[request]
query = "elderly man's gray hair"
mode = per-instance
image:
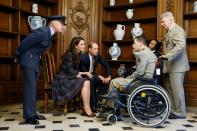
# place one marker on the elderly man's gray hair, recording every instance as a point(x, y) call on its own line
point(167, 14)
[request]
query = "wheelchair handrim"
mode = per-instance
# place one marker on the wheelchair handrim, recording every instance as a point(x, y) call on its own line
point(161, 92)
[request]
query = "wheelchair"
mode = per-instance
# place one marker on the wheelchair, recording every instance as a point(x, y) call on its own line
point(147, 103)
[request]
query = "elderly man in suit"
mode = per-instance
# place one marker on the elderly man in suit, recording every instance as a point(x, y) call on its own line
point(28, 56)
point(88, 63)
point(176, 65)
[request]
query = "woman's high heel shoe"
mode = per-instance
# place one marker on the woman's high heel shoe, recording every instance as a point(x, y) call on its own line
point(88, 115)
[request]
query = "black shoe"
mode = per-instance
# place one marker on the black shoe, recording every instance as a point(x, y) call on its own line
point(120, 119)
point(40, 117)
point(32, 121)
point(173, 116)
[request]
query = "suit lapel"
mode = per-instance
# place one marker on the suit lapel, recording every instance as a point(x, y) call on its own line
point(88, 60)
point(168, 32)
point(166, 38)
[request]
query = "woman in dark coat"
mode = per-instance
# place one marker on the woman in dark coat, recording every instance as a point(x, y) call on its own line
point(155, 46)
point(69, 81)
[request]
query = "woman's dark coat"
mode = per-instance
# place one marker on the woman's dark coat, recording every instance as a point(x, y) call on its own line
point(66, 84)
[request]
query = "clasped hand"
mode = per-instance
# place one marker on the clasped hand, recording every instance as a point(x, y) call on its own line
point(163, 57)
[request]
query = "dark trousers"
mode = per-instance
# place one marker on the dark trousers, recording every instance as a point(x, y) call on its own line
point(95, 82)
point(30, 78)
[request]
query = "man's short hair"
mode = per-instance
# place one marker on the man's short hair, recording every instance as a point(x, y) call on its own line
point(167, 14)
point(90, 45)
point(142, 39)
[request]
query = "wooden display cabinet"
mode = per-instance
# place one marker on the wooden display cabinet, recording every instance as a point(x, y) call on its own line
point(190, 25)
point(13, 28)
point(145, 13)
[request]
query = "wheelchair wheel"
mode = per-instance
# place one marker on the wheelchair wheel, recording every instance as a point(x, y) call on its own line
point(112, 119)
point(148, 105)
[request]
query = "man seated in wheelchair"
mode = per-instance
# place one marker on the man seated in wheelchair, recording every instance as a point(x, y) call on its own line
point(145, 68)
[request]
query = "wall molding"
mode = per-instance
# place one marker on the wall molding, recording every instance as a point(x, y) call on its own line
point(79, 17)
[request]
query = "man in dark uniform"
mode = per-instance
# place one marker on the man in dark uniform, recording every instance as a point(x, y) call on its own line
point(28, 56)
point(88, 63)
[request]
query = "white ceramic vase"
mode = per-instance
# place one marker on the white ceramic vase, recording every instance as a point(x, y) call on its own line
point(195, 6)
point(130, 1)
point(114, 51)
point(119, 32)
point(36, 22)
point(136, 30)
point(121, 69)
point(35, 8)
point(129, 13)
point(112, 2)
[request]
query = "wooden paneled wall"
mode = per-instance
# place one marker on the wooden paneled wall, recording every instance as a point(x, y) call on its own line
point(82, 20)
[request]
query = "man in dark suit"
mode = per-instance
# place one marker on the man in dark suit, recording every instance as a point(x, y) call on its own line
point(28, 56)
point(88, 63)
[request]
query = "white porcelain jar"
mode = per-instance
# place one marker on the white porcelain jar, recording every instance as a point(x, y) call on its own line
point(130, 1)
point(121, 69)
point(129, 13)
point(136, 30)
point(35, 8)
point(112, 2)
point(119, 32)
point(195, 6)
point(114, 51)
point(36, 22)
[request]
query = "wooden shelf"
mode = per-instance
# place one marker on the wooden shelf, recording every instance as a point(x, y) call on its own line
point(14, 28)
point(126, 22)
point(28, 13)
point(191, 37)
point(128, 41)
point(8, 8)
point(133, 5)
point(117, 41)
point(190, 15)
point(121, 61)
point(113, 15)
point(23, 34)
point(193, 61)
point(6, 59)
point(46, 2)
point(8, 33)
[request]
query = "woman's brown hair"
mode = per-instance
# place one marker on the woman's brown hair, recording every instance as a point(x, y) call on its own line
point(74, 42)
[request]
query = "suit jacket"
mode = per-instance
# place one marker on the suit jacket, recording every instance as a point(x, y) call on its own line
point(32, 47)
point(175, 50)
point(85, 63)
